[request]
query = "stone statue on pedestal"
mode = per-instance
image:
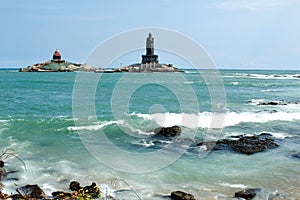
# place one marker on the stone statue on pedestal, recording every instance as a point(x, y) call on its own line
point(149, 57)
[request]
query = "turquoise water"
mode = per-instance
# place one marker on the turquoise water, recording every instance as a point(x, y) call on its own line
point(41, 122)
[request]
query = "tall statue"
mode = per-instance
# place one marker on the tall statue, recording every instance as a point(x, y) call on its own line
point(149, 57)
point(150, 45)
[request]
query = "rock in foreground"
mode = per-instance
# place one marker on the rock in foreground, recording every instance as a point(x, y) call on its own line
point(247, 194)
point(179, 195)
point(32, 191)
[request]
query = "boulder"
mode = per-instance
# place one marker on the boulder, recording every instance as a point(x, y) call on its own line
point(179, 195)
point(74, 186)
point(247, 194)
point(168, 131)
point(32, 191)
point(92, 190)
point(243, 144)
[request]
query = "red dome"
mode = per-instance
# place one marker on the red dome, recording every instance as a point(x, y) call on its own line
point(56, 55)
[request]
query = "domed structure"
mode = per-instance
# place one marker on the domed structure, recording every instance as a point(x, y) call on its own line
point(57, 57)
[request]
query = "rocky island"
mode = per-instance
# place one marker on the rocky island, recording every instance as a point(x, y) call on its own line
point(56, 64)
point(149, 64)
point(150, 61)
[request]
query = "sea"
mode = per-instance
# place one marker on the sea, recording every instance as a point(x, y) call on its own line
point(89, 127)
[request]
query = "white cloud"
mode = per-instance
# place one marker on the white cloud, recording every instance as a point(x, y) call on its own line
point(254, 5)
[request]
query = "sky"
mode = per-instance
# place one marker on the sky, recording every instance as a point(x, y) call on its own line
point(236, 34)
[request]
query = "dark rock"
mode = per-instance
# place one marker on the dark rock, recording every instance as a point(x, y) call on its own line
point(244, 144)
point(296, 155)
point(32, 191)
point(168, 131)
point(247, 194)
point(272, 103)
point(1, 163)
point(179, 195)
point(16, 197)
point(92, 190)
point(61, 195)
point(74, 186)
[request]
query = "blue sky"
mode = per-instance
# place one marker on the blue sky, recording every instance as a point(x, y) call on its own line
point(244, 34)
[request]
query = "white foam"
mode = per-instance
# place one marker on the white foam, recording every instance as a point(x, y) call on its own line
point(232, 185)
point(234, 83)
point(268, 76)
point(93, 127)
point(188, 82)
point(204, 119)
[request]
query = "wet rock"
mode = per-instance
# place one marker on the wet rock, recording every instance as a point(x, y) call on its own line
point(3, 196)
point(92, 190)
point(243, 144)
point(74, 186)
point(179, 195)
point(247, 194)
point(61, 195)
point(1, 163)
point(16, 197)
point(296, 155)
point(168, 131)
point(272, 103)
point(32, 191)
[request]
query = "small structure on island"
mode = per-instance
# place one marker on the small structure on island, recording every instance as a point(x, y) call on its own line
point(56, 64)
point(57, 57)
point(150, 61)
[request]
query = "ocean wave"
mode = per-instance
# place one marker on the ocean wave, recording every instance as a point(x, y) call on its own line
point(265, 102)
point(270, 90)
point(94, 127)
point(232, 185)
point(268, 76)
point(234, 83)
point(144, 124)
point(204, 119)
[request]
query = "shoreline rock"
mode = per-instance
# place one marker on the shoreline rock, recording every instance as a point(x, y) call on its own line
point(172, 131)
point(247, 194)
point(243, 144)
point(179, 195)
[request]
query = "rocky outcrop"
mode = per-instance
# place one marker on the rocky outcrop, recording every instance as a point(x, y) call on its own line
point(168, 131)
point(272, 103)
point(54, 66)
point(61, 195)
point(179, 195)
point(31, 192)
point(91, 192)
point(247, 194)
point(243, 144)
